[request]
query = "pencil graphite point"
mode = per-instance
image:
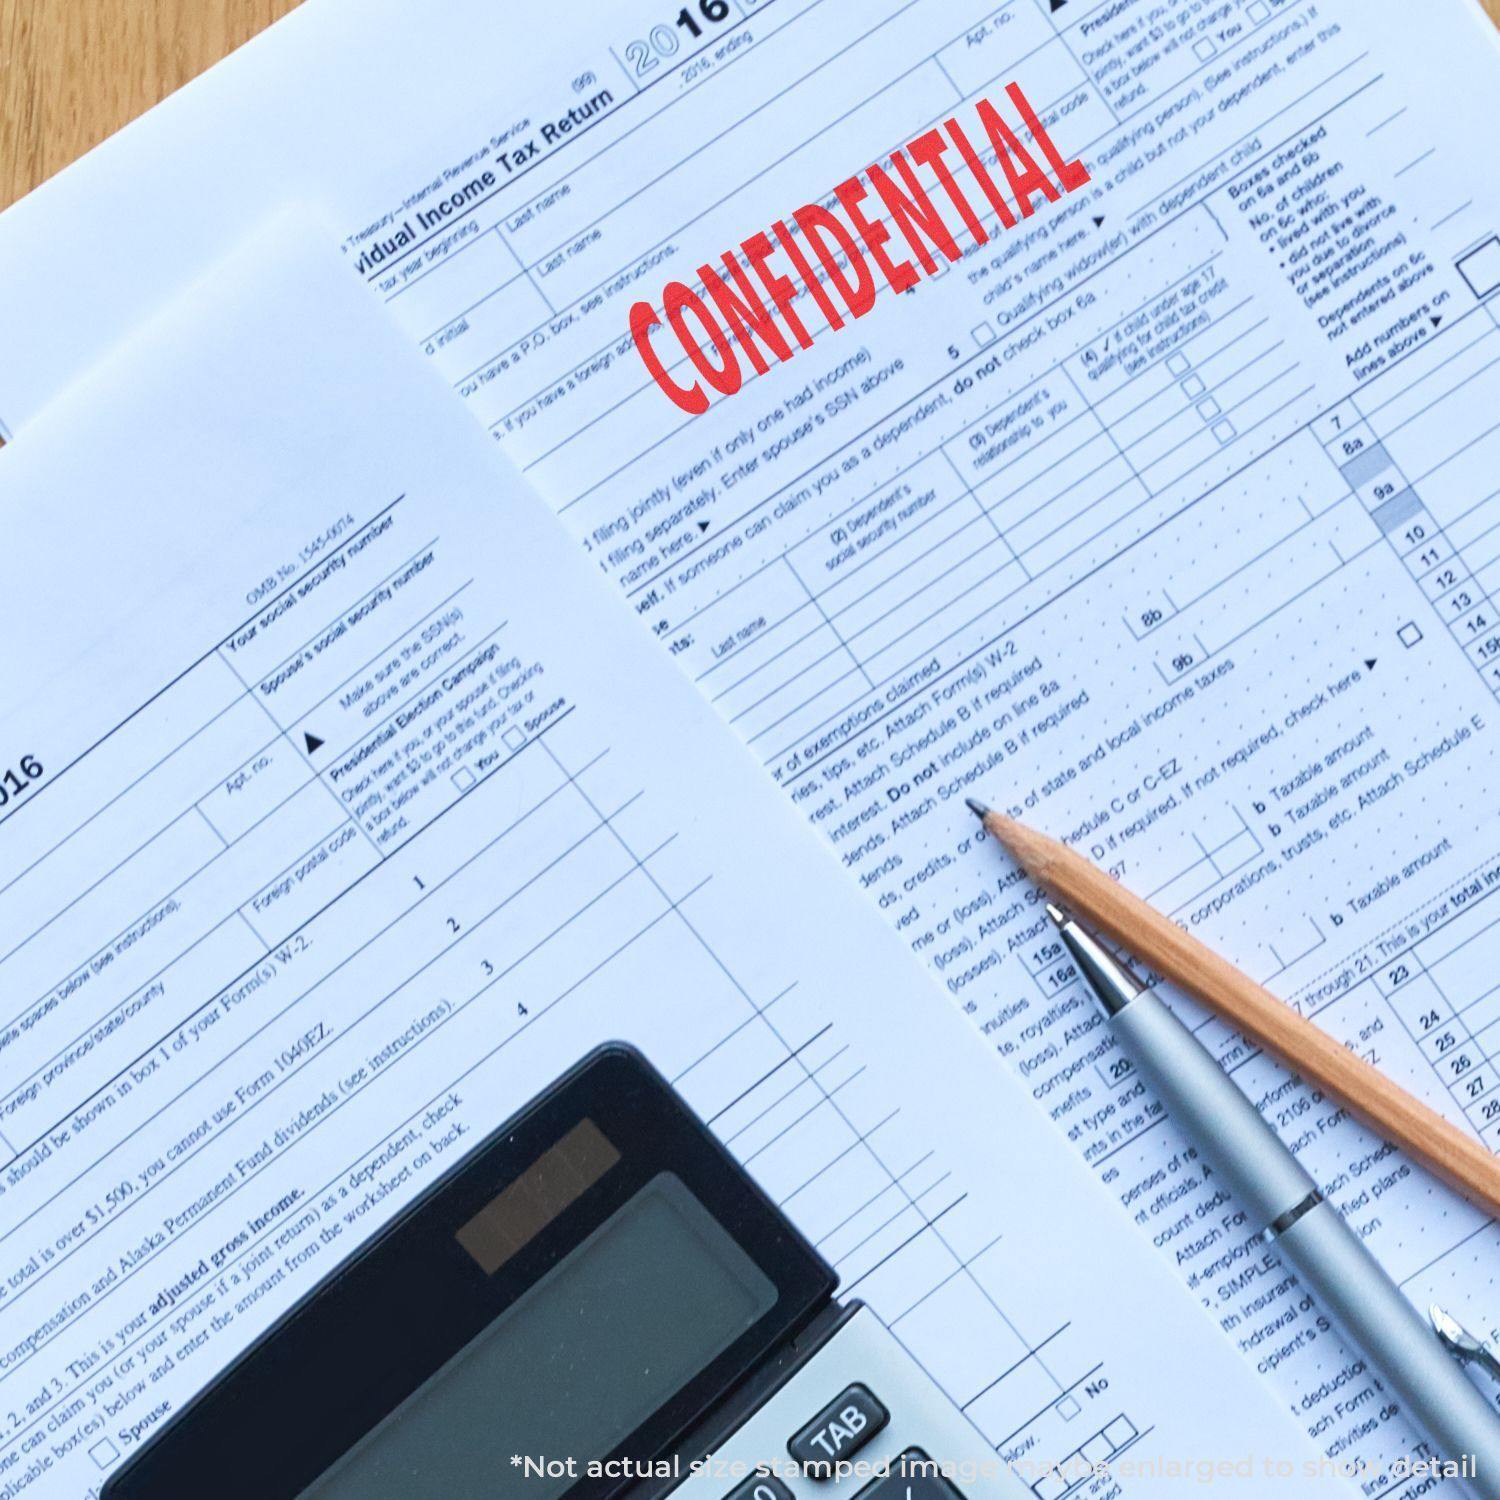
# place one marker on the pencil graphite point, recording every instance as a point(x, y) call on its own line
point(978, 808)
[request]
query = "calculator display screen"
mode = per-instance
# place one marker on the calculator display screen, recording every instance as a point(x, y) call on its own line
point(625, 1319)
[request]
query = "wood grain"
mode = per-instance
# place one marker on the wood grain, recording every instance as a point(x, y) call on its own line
point(1107, 907)
point(75, 71)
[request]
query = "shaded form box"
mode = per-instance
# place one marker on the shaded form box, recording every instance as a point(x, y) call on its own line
point(1389, 514)
point(1365, 465)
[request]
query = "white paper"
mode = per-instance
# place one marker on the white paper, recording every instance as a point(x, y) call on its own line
point(358, 817)
point(1216, 493)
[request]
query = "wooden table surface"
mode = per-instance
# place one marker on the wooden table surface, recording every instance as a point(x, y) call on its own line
point(73, 71)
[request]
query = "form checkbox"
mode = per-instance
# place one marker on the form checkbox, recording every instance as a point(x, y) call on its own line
point(1209, 409)
point(514, 737)
point(1068, 1408)
point(463, 778)
point(983, 335)
point(1409, 634)
point(1120, 1431)
point(1204, 48)
point(104, 1453)
point(1481, 268)
point(1178, 364)
point(1224, 431)
point(1193, 385)
point(1257, 11)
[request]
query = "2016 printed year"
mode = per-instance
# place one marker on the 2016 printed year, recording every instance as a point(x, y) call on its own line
point(663, 41)
point(19, 779)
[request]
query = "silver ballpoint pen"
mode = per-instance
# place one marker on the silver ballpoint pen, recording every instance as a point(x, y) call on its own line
point(1267, 1181)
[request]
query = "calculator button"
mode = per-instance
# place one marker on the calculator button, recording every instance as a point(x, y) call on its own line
point(760, 1487)
point(913, 1476)
point(845, 1425)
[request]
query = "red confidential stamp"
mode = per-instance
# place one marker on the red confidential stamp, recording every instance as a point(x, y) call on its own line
point(748, 306)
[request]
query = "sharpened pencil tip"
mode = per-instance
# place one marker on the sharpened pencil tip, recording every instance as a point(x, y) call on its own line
point(976, 807)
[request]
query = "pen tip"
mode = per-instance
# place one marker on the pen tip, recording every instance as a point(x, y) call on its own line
point(1058, 915)
point(976, 807)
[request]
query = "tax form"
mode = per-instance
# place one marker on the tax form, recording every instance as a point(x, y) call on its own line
point(1168, 519)
point(350, 816)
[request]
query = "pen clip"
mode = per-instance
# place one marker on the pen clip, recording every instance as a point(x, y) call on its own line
point(1462, 1344)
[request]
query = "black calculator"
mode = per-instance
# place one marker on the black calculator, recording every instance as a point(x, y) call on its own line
point(597, 1301)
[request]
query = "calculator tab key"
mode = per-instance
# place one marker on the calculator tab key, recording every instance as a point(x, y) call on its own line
point(913, 1476)
point(844, 1426)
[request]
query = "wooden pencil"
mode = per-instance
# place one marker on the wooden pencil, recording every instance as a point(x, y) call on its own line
point(1140, 930)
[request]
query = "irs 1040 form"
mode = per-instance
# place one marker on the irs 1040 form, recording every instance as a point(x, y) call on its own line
point(1167, 518)
point(357, 818)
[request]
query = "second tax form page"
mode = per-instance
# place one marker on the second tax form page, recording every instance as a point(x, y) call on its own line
point(1168, 518)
